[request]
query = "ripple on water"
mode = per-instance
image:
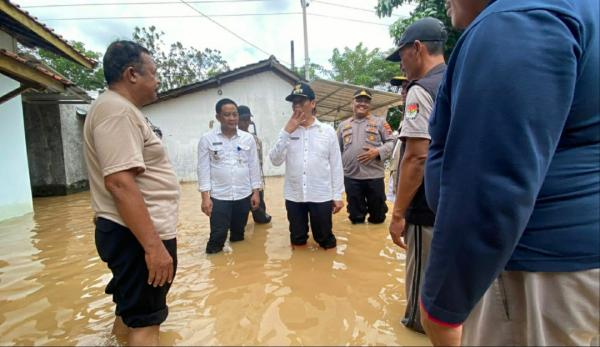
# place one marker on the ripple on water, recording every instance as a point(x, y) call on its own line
point(260, 292)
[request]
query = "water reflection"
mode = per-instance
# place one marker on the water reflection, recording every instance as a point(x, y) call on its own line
point(258, 292)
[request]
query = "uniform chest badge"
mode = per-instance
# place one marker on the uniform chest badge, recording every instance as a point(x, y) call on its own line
point(412, 110)
point(372, 138)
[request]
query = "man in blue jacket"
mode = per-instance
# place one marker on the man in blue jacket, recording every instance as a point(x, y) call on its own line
point(513, 177)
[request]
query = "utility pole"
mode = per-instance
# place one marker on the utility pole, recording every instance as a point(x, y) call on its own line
point(293, 55)
point(306, 61)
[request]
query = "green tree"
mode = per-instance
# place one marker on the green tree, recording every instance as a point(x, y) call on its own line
point(361, 67)
point(178, 65)
point(87, 79)
point(425, 8)
point(314, 70)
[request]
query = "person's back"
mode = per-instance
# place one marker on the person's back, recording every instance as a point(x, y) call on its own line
point(513, 175)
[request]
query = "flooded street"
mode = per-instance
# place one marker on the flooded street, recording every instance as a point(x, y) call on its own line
point(258, 292)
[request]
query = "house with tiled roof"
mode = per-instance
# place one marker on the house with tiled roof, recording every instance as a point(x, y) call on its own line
point(21, 74)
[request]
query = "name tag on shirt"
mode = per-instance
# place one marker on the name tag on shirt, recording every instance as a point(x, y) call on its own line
point(217, 143)
point(294, 138)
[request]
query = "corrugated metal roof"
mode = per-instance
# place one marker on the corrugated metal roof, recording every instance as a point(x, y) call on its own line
point(334, 100)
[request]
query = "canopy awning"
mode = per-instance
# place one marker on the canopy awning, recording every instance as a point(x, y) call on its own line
point(334, 100)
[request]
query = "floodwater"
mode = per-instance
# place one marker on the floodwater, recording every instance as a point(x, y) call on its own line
point(258, 292)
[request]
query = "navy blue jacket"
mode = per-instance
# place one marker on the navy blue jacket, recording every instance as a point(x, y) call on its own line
point(513, 172)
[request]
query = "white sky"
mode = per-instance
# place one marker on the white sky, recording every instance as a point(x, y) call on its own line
point(272, 33)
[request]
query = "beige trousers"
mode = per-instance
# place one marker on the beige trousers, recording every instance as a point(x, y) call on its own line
point(537, 309)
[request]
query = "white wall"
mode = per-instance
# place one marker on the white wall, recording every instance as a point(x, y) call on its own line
point(184, 119)
point(15, 189)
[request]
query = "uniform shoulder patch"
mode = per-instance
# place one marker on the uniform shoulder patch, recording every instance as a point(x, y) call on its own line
point(412, 110)
point(387, 127)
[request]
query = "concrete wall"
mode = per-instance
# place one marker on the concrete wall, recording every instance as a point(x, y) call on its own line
point(44, 149)
point(54, 147)
point(76, 177)
point(15, 190)
point(183, 120)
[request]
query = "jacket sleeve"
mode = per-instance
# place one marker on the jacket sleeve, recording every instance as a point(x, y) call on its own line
point(512, 85)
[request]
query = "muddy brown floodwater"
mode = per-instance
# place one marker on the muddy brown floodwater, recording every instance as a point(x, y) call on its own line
point(258, 292)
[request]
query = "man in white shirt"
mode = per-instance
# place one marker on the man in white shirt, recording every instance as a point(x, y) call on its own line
point(314, 177)
point(228, 177)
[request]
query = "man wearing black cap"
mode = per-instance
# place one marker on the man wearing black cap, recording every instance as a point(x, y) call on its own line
point(420, 53)
point(313, 170)
point(259, 215)
point(366, 142)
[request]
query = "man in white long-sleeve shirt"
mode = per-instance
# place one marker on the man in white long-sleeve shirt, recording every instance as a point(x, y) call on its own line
point(228, 177)
point(314, 177)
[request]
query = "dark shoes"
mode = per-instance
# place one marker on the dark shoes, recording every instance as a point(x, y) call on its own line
point(357, 221)
point(210, 250)
point(263, 220)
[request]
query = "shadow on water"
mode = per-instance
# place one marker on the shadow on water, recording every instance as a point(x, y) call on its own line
point(257, 292)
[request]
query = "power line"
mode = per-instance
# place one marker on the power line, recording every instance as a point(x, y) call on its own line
point(174, 16)
point(348, 7)
point(347, 19)
point(141, 3)
point(230, 31)
point(213, 15)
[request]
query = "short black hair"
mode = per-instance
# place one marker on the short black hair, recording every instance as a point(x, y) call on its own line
point(120, 55)
point(222, 102)
point(434, 47)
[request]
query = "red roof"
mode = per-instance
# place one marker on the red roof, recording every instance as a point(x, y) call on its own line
point(49, 31)
point(31, 62)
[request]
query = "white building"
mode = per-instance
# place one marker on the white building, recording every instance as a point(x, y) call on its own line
point(19, 74)
point(185, 113)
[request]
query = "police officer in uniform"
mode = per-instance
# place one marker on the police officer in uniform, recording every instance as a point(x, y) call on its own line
point(366, 141)
point(259, 215)
point(421, 53)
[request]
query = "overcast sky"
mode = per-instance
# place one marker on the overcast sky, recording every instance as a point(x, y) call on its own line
point(268, 24)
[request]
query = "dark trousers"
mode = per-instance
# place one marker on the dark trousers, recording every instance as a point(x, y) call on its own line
point(366, 196)
point(319, 214)
point(225, 216)
point(260, 215)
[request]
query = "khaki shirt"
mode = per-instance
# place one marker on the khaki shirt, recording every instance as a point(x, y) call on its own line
point(118, 138)
point(356, 134)
point(419, 105)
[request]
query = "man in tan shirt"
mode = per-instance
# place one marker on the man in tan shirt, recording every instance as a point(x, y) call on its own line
point(135, 194)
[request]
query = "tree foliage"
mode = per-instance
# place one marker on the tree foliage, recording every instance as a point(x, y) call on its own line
point(424, 8)
point(86, 79)
point(178, 65)
point(361, 67)
point(314, 70)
